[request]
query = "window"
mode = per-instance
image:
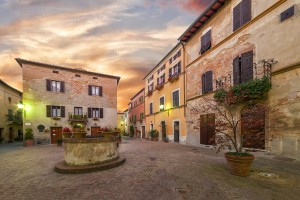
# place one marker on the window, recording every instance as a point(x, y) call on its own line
point(77, 75)
point(55, 72)
point(95, 112)
point(57, 86)
point(55, 111)
point(95, 77)
point(207, 82)
point(161, 79)
point(134, 118)
point(170, 61)
point(176, 69)
point(205, 42)
point(241, 14)
point(95, 90)
point(243, 68)
point(287, 13)
point(141, 116)
point(161, 103)
point(150, 78)
point(9, 100)
point(150, 87)
point(78, 111)
point(175, 98)
point(161, 69)
point(177, 55)
point(151, 108)
point(135, 104)
point(141, 99)
point(151, 126)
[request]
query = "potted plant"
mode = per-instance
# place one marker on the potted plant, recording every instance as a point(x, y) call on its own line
point(79, 131)
point(59, 142)
point(66, 132)
point(28, 138)
point(154, 135)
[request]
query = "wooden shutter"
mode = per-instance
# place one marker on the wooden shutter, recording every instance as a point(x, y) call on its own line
point(48, 85)
point(179, 67)
point(208, 81)
point(101, 112)
point(247, 66)
point(236, 17)
point(89, 112)
point(63, 111)
point(62, 86)
point(287, 13)
point(245, 11)
point(208, 40)
point(48, 108)
point(236, 71)
point(203, 83)
point(90, 90)
point(202, 44)
point(170, 72)
point(100, 91)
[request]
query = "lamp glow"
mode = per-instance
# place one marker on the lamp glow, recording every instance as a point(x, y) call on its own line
point(20, 106)
point(161, 107)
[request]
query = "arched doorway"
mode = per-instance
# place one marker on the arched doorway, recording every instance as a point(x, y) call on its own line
point(253, 126)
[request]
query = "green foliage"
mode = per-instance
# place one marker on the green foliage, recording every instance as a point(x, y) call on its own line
point(131, 131)
point(28, 134)
point(59, 140)
point(253, 90)
point(154, 133)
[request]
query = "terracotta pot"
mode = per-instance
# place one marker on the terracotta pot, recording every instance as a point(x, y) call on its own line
point(239, 165)
point(79, 135)
point(28, 143)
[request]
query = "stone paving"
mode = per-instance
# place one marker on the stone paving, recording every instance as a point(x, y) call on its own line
point(153, 170)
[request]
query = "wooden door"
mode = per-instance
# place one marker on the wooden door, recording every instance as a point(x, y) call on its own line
point(207, 129)
point(253, 127)
point(163, 129)
point(55, 134)
point(176, 131)
point(95, 130)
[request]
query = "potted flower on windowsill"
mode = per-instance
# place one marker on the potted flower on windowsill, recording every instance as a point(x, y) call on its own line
point(28, 138)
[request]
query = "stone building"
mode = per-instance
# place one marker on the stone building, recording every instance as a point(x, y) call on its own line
point(55, 97)
point(136, 114)
point(10, 114)
point(165, 97)
point(126, 121)
point(236, 37)
point(121, 122)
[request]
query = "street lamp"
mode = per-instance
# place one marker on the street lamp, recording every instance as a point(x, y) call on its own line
point(161, 107)
point(20, 105)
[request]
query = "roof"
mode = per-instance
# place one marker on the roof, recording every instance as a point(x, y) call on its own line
point(125, 110)
point(20, 93)
point(170, 52)
point(138, 93)
point(202, 19)
point(23, 61)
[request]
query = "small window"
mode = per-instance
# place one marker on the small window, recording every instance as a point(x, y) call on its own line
point(56, 86)
point(78, 111)
point(207, 82)
point(287, 13)
point(55, 72)
point(95, 112)
point(95, 77)
point(9, 100)
point(77, 75)
point(205, 42)
point(95, 90)
point(55, 111)
point(175, 98)
point(161, 103)
point(151, 108)
point(161, 79)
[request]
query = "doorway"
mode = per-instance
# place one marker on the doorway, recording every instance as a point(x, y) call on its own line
point(55, 134)
point(253, 126)
point(176, 131)
point(143, 132)
point(95, 130)
point(207, 129)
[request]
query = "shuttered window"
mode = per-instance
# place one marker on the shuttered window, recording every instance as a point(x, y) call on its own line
point(243, 68)
point(175, 98)
point(205, 42)
point(162, 103)
point(151, 108)
point(241, 14)
point(207, 129)
point(207, 82)
point(95, 90)
point(55, 111)
point(95, 112)
point(57, 86)
point(287, 13)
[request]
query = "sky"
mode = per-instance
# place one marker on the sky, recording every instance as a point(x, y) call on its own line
point(125, 38)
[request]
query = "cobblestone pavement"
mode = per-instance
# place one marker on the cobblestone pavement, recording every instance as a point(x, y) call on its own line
point(153, 170)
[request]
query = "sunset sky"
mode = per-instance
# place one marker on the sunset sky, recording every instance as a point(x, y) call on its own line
point(126, 38)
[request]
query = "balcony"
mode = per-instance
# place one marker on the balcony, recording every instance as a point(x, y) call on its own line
point(174, 77)
point(159, 86)
point(149, 93)
point(78, 118)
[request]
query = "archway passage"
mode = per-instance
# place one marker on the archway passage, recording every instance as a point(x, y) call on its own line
point(253, 126)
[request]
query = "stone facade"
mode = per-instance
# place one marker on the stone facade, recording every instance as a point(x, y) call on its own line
point(136, 114)
point(268, 37)
point(121, 122)
point(167, 98)
point(10, 128)
point(86, 97)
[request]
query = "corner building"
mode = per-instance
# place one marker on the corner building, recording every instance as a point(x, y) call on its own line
point(57, 97)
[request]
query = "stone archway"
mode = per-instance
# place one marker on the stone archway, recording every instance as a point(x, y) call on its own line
point(253, 126)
